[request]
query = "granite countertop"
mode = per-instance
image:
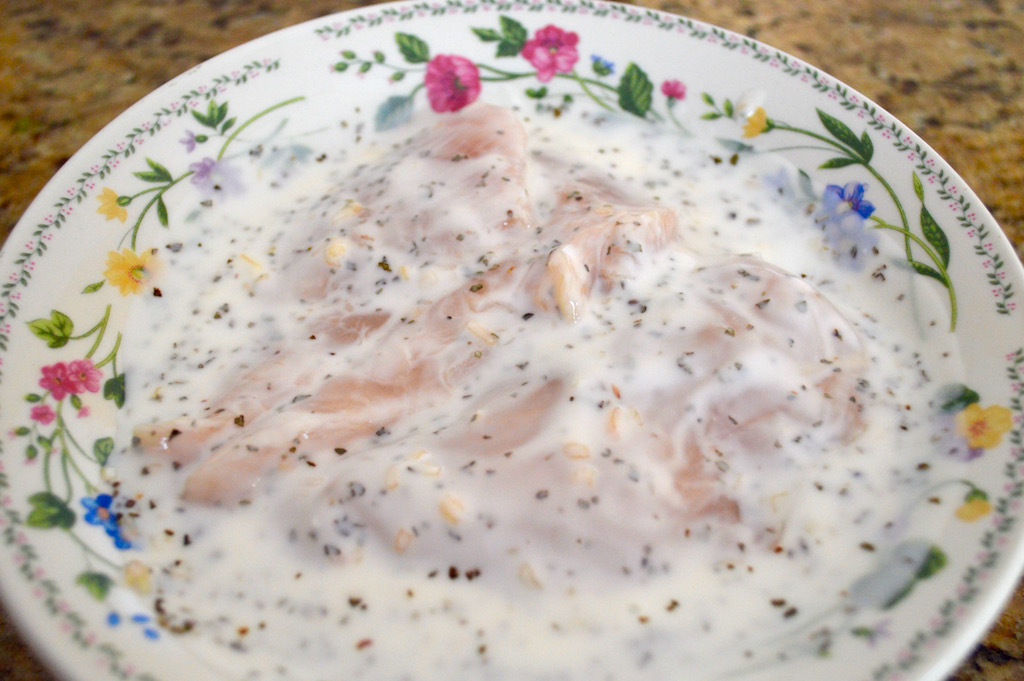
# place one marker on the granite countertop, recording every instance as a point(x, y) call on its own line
point(951, 70)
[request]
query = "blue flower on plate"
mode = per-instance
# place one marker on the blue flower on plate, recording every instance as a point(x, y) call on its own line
point(145, 622)
point(601, 66)
point(98, 512)
point(843, 216)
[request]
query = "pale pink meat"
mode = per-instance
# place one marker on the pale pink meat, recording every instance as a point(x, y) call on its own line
point(593, 240)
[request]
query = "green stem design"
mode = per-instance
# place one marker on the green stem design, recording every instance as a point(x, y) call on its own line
point(144, 191)
point(933, 256)
point(111, 357)
point(89, 487)
point(69, 489)
point(908, 237)
point(47, 481)
point(94, 553)
point(252, 120)
point(101, 327)
point(583, 85)
point(163, 189)
point(159, 195)
point(675, 121)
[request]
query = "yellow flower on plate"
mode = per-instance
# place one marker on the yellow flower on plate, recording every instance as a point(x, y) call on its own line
point(757, 123)
point(128, 270)
point(975, 507)
point(110, 207)
point(983, 428)
point(136, 576)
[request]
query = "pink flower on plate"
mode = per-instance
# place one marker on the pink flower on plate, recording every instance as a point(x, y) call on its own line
point(83, 376)
point(452, 83)
point(43, 414)
point(673, 89)
point(551, 51)
point(56, 380)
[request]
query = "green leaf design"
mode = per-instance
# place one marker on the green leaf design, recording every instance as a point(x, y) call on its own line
point(927, 271)
point(56, 330)
point(934, 235)
point(365, 66)
point(49, 511)
point(96, 583)
point(94, 287)
point(228, 124)
point(867, 147)
point(395, 111)
point(222, 113)
point(635, 90)
point(488, 35)
point(734, 146)
point(845, 136)
point(507, 49)
point(933, 563)
point(918, 187)
point(157, 173)
point(957, 397)
point(102, 449)
point(113, 390)
point(412, 48)
point(161, 211)
point(838, 162)
point(513, 37)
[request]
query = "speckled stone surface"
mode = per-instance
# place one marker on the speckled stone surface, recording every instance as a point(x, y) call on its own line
point(952, 71)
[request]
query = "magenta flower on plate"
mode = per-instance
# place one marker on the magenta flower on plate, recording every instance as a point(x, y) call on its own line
point(83, 377)
point(42, 414)
point(551, 51)
point(452, 83)
point(56, 380)
point(673, 89)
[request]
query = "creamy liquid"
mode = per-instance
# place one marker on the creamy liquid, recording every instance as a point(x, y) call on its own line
point(533, 509)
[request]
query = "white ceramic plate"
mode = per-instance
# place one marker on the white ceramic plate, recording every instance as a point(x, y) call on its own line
point(62, 298)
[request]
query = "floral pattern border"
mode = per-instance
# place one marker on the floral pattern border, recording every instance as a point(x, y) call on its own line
point(13, 526)
point(73, 196)
point(77, 627)
point(970, 220)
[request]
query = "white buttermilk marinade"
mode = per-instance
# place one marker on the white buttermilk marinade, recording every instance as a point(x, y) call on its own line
point(490, 400)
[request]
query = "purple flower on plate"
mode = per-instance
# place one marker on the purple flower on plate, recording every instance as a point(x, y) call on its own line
point(215, 176)
point(189, 140)
point(843, 216)
point(202, 171)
